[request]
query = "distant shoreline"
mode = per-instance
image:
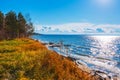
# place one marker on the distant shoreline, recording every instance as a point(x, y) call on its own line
point(80, 34)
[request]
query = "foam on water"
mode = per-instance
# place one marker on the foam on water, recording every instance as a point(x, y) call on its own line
point(106, 66)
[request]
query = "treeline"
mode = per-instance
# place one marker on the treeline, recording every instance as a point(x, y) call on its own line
point(14, 25)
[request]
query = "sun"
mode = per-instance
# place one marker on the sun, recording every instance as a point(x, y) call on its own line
point(104, 3)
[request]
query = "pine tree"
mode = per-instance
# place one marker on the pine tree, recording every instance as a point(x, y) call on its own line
point(11, 27)
point(14, 26)
point(21, 25)
point(1, 20)
point(1, 25)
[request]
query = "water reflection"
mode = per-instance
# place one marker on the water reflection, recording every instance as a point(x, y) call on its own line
point(106, 53)
point(105, 46)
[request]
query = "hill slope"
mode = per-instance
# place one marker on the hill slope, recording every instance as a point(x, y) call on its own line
point(26, 59)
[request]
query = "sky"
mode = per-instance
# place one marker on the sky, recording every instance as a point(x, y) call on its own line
point(69, 16)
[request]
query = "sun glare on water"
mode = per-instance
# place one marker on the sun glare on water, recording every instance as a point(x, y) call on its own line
point(106, 46)
point(105, 39)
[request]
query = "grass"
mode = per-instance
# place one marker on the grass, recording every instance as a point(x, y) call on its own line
point(27, 59)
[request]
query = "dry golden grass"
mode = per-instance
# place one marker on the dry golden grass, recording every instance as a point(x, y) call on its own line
point(27, 59)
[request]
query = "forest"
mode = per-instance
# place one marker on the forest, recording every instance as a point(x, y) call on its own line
point(14, 25)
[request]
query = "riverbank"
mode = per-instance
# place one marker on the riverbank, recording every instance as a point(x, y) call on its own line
point(29, 59)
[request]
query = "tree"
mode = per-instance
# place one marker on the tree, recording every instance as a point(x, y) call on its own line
point(29, 26)
point(1, 25)
point(1, 20)
point(21, 25)
point(29, 29)
point(15, 26)
point(25, 25)
point(11, 27)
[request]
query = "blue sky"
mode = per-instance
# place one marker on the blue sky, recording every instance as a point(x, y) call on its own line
point(60, 12)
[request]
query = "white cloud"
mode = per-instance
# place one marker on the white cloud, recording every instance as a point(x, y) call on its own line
point(78, 28)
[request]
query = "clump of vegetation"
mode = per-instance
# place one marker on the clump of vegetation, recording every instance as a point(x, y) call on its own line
point(14, 25)
point(26, 59)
